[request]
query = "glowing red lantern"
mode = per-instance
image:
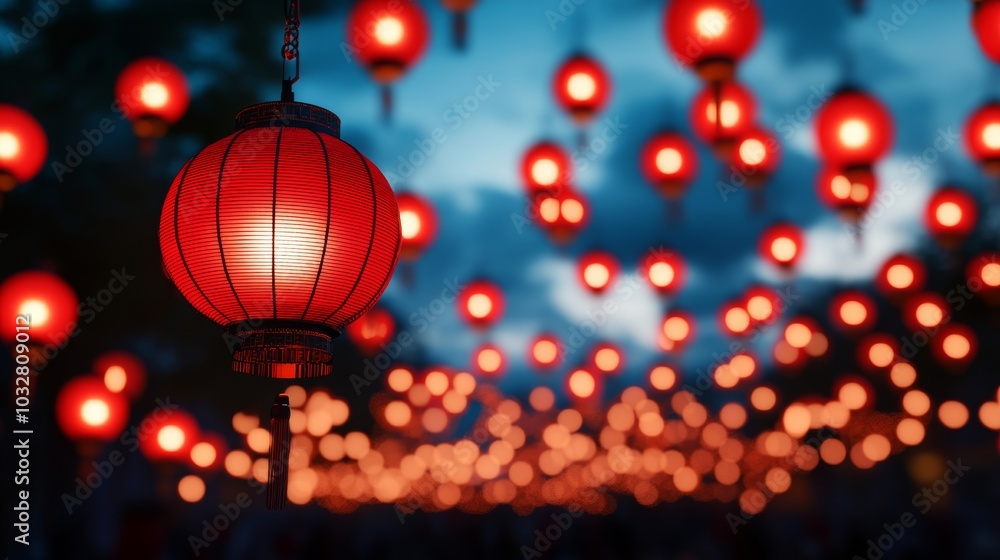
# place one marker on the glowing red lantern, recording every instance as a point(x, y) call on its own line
point(86, 410)
point(489, 360)
point(853, 129)
point(372, 330)
point(153, 94)
point(670, 163)
point(607, 358)
point(925, 311)
point(23, 147)
point(955, 345)
point(282, 233)
point(582, 88)
point(387, 36)
point(950, 216)
point(983, 273)
point(460, 22)
point(982, 136)
point(597, 270)
point(711, 35)
point(763, 304)
point(545, 352)
point(853, 311)
point(480, 303)
point(171, 436)
point(734, 318)
point(849, 192)
point(900, 275)
point(721, 115)
point(563, 214)
point(545, 166)
point(418, 225)
point(47, 299)
point(122, 373)
point(757, 155)
point(985, 22)
point(782, 244)
point(677, 329)
point(665, 271)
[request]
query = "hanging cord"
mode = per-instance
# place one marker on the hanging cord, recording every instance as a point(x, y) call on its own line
point(290, 49)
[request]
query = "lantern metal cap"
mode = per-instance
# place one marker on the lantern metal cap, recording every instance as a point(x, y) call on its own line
point(289, 113)
point(283, 349)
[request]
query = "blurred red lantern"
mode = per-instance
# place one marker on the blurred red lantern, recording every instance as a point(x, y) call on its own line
point(301, 240)
point(877, 352)
point(983, 276)
point(763, 304)
point(122, 373)
point(900, 275)
point(955, 345)
point(418, 225)
point(582, 88)
point(711, 35)
point(47, 299)
point(721, 115)
point(782, 244)
point(734, 318)
point(985, 23)
point(853, 311)
point(677, 329)
point(853, 129)
point(925, 311)
point(670, 163)
point(757, 154)
point(982, 136)
point(665, 271)
point(545, 166)
point(545, 352)
point(387, 36)
point(481, 303)
point(372, 330)
point(86, 410)
point(950, 216)
point(23, 147)
point(489, 360)
point(460, 22)
point(597, 270)
point(209, 453)
point(169, 437)
point(849, 191)
point(153, 94)
point(607, 358)
point(563, 214)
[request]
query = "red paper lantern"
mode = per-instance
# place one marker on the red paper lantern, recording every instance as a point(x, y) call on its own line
point(460, 25)
point(545, 166)
point(982, 136)
point(665, 271)
point(670, 163)
point(23, 147)
point(597, 270)
point(122, 373)
point(480, 303)
point(418, 225)
point(757, 154)
point(849, 192)
point(986, 24)
point(955, 345)
point(489, 360)
point(925, 311)
point(677, 329)
point(853, 311)
point(86, 410)
point(372, 330)
point(170, 437)
point(853, 129)
point(951, 216)
point(582, 88)
point(49, 301)
point(387, 36)
point(782, 244)
point(545, 352)
point(711, 35)
point(901, 275)
point(721, 115)
point(734, 319)
point(282, 233)
point(983, 273)
point(153, 94)
point(563, 214)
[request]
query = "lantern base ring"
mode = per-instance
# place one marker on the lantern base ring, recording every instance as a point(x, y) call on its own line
point(282, 349)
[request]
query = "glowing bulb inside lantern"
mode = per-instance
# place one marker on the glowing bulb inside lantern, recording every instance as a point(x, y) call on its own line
point(544, 171)
point(752, 151)
point(489, 360)
point(10, 146)
point(899, 276)
point(409, 223)
point(798, 335)
point(115, 379)
point(582, 383)
point(572, 211)
point(860, 192)
point(991, 136)
point(948, 214)
point(737, 319)
point(549, 210)
point(711, 23)
point(730, 113)
point(854, 133)
point(479, 305)
point(154, 95)
point(661, 274)
point(759, 308)
point(956, 346)
point(840, 187)
point(170, 438)
point(668, 161)
point(929, 314)
point(581, 86)
point(596, 275)
point(783, 249)
point(676, 329)
point(37, 309)
point(607, 359)
point(853, 313)
point(203, 454)
point(389, 31)
point(94, 412)
point(545, 351)
point(991, 274)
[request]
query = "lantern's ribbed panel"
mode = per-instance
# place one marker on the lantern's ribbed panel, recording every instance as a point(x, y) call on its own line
point(280, 223)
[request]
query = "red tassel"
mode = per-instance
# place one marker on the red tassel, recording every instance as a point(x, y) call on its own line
point(281, 440)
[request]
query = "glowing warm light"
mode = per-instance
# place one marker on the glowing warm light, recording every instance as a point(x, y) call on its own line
point(397, 413)
point(929, 314)
point(596, 275)
point(607, 359)
point(203, 454)
point(582, 383)
point(881, 354)
point(876, 447)
point(94, 412)
point(676, 328)
point(760, 308)
point(916, 403)
point(409, 224)
point(662, 377)
point(956, 346)
point(669, 161)
point(948, 214)
point(238, 464)
point(436, 382)
point(796, 420)
point(990, 274)
point(910, 431)
point(154, 95)
point(489, 360)
point(737, 319)
point(763, 398)
point(115, 379)
point(37, 309)
point(853, 396)
point(661, 274)
point(10, 146)
point(833, 451)
point(572, 211)
point(903, 375)
point(711, 23)
point(798, 335)
point(854, 133)
point(480, 305)
point(388, 31)
point(400, 380)
point(170, 438)
point(953, 414)
point(545, 171)
point(729, 113)
point(191, 488)
point(853, 312)
point(991, 136)
point(784, 249)
point(900, 276)
point(752, 151)
point(581, 86)
point(545, 351)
